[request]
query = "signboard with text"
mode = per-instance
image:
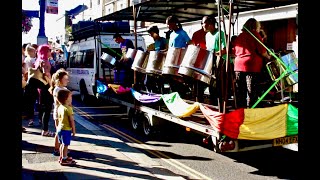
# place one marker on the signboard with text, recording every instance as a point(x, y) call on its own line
point(52, 6)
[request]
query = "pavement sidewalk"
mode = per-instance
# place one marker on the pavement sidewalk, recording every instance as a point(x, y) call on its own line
point(99, 155)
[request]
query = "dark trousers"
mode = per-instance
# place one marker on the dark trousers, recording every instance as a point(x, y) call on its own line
point(179, 84)
point(247, 90)
point(154, 83)
point(45, 101)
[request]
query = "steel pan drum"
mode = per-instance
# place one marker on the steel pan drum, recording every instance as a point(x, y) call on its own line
point(275, 69)
point(155, 62)
point(197, 63)
point(140, 61)
point(291, 63)
point(108, 58)
point(173, 60)
point(131, 53)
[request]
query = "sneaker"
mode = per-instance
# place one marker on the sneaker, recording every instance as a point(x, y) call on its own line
point(56, 153)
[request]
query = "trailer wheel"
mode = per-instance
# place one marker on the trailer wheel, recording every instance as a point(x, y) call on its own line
point(146, 125)
point(215, 144)
point(134, 117)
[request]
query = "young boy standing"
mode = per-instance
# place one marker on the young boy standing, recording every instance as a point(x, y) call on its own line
point(66, 125)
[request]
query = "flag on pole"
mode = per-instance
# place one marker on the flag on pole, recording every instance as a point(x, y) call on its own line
point(52, 6)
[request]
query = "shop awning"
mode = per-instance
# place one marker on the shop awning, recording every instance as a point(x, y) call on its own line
point(188, 10)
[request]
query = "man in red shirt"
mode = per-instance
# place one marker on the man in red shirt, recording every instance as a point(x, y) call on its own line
point(199, 38)
point(249, 56)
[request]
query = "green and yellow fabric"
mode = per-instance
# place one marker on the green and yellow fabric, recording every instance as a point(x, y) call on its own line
point(177, 106)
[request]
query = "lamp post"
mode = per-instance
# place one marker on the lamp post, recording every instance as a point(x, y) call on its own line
point(42, 38)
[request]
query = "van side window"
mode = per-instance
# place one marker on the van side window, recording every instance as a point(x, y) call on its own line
point(88, 58)
point(82, 59)
point(72, 59)
point(78, 60)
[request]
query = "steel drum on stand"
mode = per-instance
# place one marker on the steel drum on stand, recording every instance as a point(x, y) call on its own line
point(173, 60)
point(108, 59)
point(155, 62)
point(131, 53)
point(140, 61)
point(197, 63)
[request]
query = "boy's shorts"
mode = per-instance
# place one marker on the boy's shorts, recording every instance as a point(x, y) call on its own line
point(64, 137)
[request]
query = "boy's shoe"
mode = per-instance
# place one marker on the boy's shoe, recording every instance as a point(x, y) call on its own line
point(68, 158)
point(56, 153)
point(67, 162)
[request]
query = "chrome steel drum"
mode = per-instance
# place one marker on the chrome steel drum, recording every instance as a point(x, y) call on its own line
point(140, 61)
point(291, 64)
point(197, 63)
point(108, 58)
point(173, 60)
point(155, 62)
point(131, 53)
point(275, 69)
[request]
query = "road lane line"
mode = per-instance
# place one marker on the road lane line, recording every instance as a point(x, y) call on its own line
point(158, 154)
point(82, 112)
point(154, 152)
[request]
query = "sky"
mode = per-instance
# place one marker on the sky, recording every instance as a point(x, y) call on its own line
point(53, 26)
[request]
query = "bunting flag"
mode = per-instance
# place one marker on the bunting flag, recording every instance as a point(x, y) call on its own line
point(255, 124)
point(178, 106)
point(243, 123)
point(228, 124)
point(101, 88)
point(118, 89)
point(145, 98)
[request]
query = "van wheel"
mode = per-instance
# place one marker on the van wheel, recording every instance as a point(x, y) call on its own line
point(83, 92)
point(134, 117)
point(146, 125)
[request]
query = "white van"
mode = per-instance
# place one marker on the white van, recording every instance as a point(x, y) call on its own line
point(84, 63)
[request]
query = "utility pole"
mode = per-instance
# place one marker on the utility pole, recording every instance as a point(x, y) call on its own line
point(42, 38)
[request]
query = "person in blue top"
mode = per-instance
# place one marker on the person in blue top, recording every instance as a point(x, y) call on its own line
point(178, 39)
point(155, 83)
point(124, 63)
point(160, 43)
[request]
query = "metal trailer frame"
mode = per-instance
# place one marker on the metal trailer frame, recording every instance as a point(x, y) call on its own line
point(206, 130)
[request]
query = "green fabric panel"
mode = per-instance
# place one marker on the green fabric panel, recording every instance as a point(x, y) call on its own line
point(292, 120)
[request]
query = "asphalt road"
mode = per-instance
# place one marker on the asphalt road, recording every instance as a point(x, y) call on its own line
point(184, 152)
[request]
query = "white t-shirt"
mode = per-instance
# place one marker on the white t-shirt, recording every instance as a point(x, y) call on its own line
point(55, 101)
point(29, 61)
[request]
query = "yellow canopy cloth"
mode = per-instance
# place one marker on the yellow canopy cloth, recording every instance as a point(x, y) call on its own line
point(264, 123)
point(178, 106)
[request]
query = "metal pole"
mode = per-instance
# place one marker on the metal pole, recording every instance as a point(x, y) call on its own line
point(42, 39)
point(135, 37)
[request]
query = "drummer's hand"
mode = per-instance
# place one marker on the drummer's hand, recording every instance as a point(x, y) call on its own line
point(123, 59)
